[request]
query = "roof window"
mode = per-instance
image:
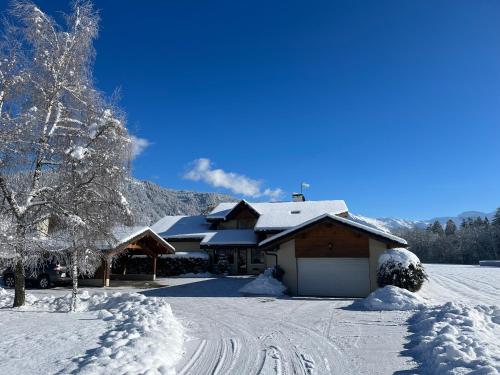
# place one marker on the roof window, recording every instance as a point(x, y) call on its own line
point(295, 212)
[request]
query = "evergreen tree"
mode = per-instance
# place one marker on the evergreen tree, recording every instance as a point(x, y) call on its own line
point(450, 228)
point(478, 223)
point(486, 222)
point(496, 219)
point(437, 228)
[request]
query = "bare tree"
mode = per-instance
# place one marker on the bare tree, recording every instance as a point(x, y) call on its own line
point(50, 116)
point(90, 203)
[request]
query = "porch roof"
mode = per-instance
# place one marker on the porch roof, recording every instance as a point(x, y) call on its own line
point(126, 236)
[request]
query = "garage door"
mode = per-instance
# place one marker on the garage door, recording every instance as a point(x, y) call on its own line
point(337, 277)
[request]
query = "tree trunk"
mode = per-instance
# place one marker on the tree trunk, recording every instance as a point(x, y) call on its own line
point(20, 287)
point(74, 274)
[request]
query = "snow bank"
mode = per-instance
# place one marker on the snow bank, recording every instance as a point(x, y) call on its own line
point(393, 298)
point(457, 339)
point(264, 284)
point(398, 255)
point(145, 335)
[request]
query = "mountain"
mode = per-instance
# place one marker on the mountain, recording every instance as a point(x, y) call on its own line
point(149, 202)
point(388, 224)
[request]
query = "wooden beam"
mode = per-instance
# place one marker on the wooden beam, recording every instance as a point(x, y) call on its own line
point(106, 273)
point(134, 246)
point(154, 267)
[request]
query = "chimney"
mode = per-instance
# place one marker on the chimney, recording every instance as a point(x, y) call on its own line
point(298, 197)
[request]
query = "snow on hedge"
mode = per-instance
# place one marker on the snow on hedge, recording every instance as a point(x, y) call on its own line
point(393, 298)
point(398, 255)
point(457, 339)
point(188, 254)
point(144, 334)
point(264, 284)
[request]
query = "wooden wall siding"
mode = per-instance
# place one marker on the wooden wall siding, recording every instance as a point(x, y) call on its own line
point(244, 214)
point(244, 219)
point(314, 243)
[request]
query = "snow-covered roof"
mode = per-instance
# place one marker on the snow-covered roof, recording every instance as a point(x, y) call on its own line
point(222, 209)
point(282, 215)
point(124, 234)
point(339, 219)
point(195, 227)
point(231, 237)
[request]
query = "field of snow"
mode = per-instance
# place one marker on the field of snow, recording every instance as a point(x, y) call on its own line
point(455, 330)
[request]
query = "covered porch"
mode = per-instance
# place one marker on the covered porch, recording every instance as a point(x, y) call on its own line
point(135, 258)
point(234, 251)
point(236, 260)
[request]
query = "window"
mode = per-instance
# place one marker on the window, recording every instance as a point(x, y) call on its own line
point(295, 212)
point(245, 223)
point(257, 256)
point(224, 254)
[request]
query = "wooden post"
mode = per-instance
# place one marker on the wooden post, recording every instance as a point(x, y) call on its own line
point(154, 266)
point(107, 271)
point(103, 265)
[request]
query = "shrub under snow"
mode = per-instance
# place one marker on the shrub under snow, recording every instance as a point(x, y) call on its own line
point(401, 268)
point(393, 298)
point(264, 284)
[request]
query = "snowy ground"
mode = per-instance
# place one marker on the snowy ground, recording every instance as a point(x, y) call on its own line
point(228, 333)
point(122, 333)
point(39, 342)
point(472, 285)
point(251, 335)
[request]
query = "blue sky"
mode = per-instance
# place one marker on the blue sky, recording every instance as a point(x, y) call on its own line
point(393, 106)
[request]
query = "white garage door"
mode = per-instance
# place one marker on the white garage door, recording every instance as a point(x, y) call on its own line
point(336, 277)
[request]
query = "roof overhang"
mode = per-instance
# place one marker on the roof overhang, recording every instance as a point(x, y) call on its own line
point(184, 238)
point(163, 245)
point(274, 241)
point(241, 205)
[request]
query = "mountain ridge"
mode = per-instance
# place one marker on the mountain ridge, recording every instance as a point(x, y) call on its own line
point(389, 224)
point(149, 202)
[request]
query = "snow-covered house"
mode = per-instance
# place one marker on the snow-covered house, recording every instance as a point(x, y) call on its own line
point(322, 252)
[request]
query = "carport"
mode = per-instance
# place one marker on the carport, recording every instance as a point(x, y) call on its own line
point(133, 258)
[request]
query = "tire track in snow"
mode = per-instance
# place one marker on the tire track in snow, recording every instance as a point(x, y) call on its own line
point(197, 354)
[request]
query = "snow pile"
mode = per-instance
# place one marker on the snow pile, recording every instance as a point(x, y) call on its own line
point(144, 335)
point(7, 299)
point(457, 339)
point(264, 284)
point(399, 256)
point(393, 298)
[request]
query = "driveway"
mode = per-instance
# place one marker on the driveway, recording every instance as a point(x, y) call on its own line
point(232, 334)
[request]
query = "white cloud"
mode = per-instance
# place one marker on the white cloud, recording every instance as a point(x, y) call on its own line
point(138, 145)
point(202, 170)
